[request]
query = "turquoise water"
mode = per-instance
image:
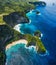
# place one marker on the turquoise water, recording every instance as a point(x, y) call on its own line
point(46, 23)
point(21, 55)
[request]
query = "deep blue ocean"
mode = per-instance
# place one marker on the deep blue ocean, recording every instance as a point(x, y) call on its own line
point(46, 23)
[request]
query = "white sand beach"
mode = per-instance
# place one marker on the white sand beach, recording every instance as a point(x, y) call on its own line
point(21, 41)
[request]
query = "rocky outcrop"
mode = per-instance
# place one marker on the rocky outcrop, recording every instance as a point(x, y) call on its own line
point(15, 18)
point(37, 33)
point(39, 3)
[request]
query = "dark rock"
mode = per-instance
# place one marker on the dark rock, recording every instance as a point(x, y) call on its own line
point(37, 33)
point(32, 43)
point(15, 18)
point(37, 12)
point(39, 3)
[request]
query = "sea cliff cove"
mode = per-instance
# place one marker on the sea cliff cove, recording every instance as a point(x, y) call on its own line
point(28, 32)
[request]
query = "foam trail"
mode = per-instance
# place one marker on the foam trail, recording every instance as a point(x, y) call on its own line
point(17, 27)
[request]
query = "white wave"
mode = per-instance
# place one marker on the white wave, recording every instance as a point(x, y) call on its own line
point(39, 14)
point(31, 47)
point(41, 36)
point(29, 21)
point(45, 54)
point(31, 11)
point(17, 27)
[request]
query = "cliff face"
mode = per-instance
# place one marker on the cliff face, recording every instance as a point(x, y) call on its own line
point(9, 6)
point(15, 18)
point(5, 34)
point(39, 3)
point(19, 9)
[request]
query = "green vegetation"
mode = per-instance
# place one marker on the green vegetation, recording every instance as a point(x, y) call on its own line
point(31, 39)
point(40, 46)
point(1, 18)
point(2, 57)
point(9, 6)
point(8, 34)
point(15, 6)
point(34, 40)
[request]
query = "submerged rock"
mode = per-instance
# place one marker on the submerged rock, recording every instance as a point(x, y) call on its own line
point(37, 12)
